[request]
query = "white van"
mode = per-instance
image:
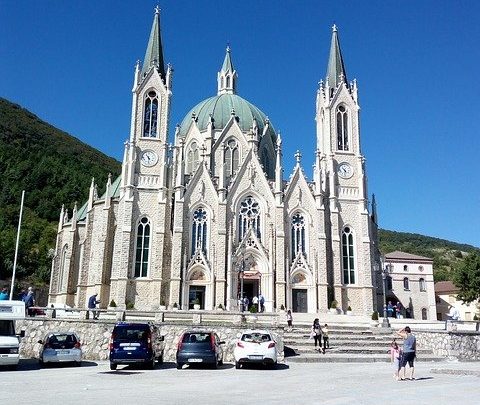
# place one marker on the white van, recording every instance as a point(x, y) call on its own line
point(9, 340)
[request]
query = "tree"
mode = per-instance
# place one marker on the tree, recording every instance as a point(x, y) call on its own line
point(467, 277)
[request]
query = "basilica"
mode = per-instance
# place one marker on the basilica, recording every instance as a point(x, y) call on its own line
point(212, 217)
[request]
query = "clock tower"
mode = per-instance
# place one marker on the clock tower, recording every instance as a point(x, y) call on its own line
point(343, 181)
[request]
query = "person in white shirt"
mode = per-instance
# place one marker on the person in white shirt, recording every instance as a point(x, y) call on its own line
point(255, 302)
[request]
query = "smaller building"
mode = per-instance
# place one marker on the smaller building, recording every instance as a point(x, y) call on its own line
point(410, 282)
point(446, 295)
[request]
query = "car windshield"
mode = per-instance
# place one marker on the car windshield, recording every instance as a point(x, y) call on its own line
point(131, 333)
point(196, 337)
point(62, 341)
point(256, 337)
point(6, 328)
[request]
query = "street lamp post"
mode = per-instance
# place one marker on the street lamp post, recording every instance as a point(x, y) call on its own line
point(384, 271)
point(240, 262)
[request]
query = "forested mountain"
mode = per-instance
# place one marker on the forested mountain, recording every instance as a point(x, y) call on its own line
point(55, 168)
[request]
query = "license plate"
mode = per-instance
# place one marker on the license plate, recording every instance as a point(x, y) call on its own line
point(195, 360)
point(255, 357)
point(63, 351)
point(129, 348)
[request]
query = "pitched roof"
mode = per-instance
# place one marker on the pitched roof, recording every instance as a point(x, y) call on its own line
point(445, 287)
point(154, 52)
point(335, 68)
point(398, 255)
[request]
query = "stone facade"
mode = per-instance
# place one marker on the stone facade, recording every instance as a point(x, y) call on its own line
point(212, 215)
point(464, 346)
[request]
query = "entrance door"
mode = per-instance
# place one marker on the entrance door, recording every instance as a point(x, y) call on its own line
point(299, 300)
point(196, 292)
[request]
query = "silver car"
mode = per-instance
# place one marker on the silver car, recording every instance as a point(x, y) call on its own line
point(60, 347)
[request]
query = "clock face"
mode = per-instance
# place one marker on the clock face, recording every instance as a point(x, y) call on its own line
point(345, 171)
point(149, 158)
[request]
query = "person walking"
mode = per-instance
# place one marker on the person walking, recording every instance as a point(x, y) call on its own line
point(261, 301)
point(289, 320)
point(390, 309)
point(317, 335)
point(255, 303)
point(92, 304)
point(246, 303)
point(395, 358)
point(409, 352)
point(326, 342)
point(4, 294)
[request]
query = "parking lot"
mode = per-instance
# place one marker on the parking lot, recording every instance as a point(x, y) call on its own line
point(334, 383)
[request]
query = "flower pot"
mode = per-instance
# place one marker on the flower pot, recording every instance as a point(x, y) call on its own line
point(196, 306)
point(333, 311)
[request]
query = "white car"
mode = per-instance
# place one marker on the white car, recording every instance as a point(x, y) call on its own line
point(255, 346)
point(60, 347)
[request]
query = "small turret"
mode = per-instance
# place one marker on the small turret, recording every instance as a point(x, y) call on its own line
point(227, 77)
point(108, 197)
point(91, 194)
point(154, 52)
point(60, 220)
point(278, 172)
point(336, 70)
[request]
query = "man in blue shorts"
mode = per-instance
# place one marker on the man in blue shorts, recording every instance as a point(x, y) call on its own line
point(409, 352)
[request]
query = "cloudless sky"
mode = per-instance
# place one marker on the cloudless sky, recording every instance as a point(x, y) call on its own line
point(416, 62)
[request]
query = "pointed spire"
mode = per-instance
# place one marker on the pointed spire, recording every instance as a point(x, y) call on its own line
point(154, 52)
point(336, 69)
point(227, 77)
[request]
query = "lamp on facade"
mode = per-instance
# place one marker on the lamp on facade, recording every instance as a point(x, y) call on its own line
point(385, 270)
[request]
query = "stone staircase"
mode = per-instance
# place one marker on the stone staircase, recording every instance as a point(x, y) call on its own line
point(348, 344)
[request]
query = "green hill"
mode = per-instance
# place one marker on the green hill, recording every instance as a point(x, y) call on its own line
point(53, 168)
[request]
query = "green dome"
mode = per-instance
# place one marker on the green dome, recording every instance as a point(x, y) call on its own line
point(220, 107)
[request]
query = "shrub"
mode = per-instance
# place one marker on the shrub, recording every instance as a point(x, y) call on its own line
point(253, 309)
point(333, 304)
point(129, 305)
point(112, 304)
point(162, 302)
point(282, 307)
point(196, 301)
point(349, 308)
point(375, 316)
point(475, 317)
point(175, 305)
point(220, 306)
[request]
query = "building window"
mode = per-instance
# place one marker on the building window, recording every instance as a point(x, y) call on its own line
point(389, 283)
point(150, 117)
point(342, 128)
point(249, 217)
point(199, 231)
point(298, 235)
point(63, 269)
point(423, 286)
point(193, 155)
point(266, 162)
point(143, 247)
point(405, 268)
point(348, 257)
point(231, 158)
point(406, 284)
point(424, 314)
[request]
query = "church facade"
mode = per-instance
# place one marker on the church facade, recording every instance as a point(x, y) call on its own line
point(212, 218)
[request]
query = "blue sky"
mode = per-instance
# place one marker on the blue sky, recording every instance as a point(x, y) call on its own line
point(416, 63)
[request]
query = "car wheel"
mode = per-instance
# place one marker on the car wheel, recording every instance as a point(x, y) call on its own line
point(179, 366)
point(113, 366)
point(237, 365)
point(220, 362)
point(151, 364)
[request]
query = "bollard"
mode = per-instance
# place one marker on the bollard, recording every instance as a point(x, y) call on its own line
point(120, 316)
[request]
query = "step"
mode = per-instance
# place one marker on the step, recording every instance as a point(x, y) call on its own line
point(339, 343)
point(352, 349)
point(351, 358)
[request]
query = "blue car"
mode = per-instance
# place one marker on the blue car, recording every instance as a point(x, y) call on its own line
point(136, 344)
point(198, 347)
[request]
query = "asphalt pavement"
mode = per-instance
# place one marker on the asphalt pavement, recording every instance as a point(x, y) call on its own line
point(323, 383)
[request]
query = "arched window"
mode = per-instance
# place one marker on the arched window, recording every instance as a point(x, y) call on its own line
point(406, 284)
point(298, 234)
point(192, 158)
point(63, 269)
point(342, 128)
point(231, 158)
point(423, 286)
point(199, 231)
point(150, 115)
point(143, 247)
point(424, 314)
point(405, 268)
point(266, 161)
point(228, 81)
point(348, 256)
point(249, 217)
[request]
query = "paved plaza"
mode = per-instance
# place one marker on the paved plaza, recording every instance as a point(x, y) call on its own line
point(372, 383)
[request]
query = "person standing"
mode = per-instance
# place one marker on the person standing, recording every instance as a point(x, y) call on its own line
point(261, 301)
point(92, 304)
point(246, 303)
point(4, 294)
point(326, 342)
point(398, 309)
point(255, 303)
point(395, 356)
point(317, 334)
point(289, 320)
point(29, 302)
point(390, 309)
point(409, 352)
